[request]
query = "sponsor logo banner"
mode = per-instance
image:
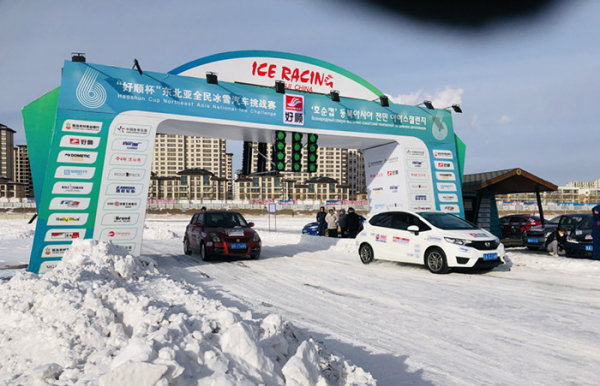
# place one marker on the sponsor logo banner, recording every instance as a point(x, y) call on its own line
point(118, 234)
point(132, 130)
point(47, 266)
point(446, 165)
point(65, 234)
point(75, 172)
point(418, 186)
point(415, 153)
point(445, 176)
point(418, 175)
point(416, 164)
point(127, 159)
point(55, 250)
point(78, 156)
point(120, 219)
point(126, 174)
point(68, 219)
point(69, 203)
point(419, 197)
point(443, 154)
point(75, 126)
point(124, 189)
point(445, 197)
point(400, 240)
point(450, 208)
point(381, 238)
point(293, 109)
point(80, 142)
point(446, 187)
point(72, 187)
point(122, 203)
point(421, 207)
point(130, 145)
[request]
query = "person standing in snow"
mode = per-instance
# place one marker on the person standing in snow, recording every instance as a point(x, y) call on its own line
point(353, 223)
point(596, 232)
point(332, 223)
point(322, 225)
point(342, 224)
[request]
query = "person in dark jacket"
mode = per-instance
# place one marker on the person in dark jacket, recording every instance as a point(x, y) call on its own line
point(342, 224)
point(352, 223)
point(596, 233)
point(321, 221)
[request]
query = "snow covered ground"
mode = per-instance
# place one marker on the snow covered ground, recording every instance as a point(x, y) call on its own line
point(308, 312)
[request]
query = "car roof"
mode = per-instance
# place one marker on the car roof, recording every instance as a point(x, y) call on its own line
point(217, 211)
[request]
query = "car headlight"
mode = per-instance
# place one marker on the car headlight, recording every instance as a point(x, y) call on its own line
point(548, 233)
point(455, 241)
point(572, 240)
point(255, 237)
point(215, 238)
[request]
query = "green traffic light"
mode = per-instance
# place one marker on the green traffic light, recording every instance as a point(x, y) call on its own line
point(280, 145)
point(312, 167)
point(313, 138)
point(297, 137)
point(280, 135)
point(280, 166)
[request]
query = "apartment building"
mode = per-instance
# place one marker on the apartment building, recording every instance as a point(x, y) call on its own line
point(190, 168)
point(23, 169)
point(340, 176)
point(9, 188)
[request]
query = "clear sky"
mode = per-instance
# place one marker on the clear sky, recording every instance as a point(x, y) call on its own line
point(527, 87)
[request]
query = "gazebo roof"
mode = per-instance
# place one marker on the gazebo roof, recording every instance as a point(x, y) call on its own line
point(506, 181)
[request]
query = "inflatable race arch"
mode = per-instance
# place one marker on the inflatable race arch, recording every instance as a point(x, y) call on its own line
point(91, 140)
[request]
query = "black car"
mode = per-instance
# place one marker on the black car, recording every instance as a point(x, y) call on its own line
point(540, 236)
point(577, 239)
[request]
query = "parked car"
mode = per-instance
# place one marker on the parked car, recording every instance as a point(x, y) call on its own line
point(220, 232)
point(538, 237)
point(514, 225)
point(577, 240)
point(312, 228)
point(438, 240)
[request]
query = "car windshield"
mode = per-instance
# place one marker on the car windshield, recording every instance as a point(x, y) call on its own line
point(446, 221)
point(553, 221)
point(225, 220)
point(587, 222)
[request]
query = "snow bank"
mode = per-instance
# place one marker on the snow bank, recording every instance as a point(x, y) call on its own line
point(103, 317)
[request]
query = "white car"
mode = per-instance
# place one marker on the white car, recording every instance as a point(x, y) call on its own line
point(438, 240)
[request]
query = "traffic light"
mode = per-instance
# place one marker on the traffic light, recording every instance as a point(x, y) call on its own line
point(279, 151)
point(296, 152)
point(261, 161)
point(311, 150)
point(247, 158)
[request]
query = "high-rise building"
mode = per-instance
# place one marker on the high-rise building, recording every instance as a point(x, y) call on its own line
point(9, 188)
point(339, 176)
point(23, 169)
point(192, 168)
point(7, 144)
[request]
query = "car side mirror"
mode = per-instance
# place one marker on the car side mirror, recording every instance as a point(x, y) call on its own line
point(251, 224)
point(414, 229)
point(198, 224)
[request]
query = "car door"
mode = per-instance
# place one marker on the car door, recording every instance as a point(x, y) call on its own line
point(401, 241)
point(566, 224)
point(380, 234)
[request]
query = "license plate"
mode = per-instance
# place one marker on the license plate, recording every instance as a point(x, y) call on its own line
point(533, 241)
point(238, 246)
point(490, 256)
point(589, 247)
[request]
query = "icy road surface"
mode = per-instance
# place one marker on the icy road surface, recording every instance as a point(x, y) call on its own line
point(534, 321)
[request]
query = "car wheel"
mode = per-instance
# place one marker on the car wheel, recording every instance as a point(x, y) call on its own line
point(203, 254)
point(435, 260)
point(186, 246)
point(366, 253)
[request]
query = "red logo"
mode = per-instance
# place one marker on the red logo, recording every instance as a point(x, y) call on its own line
point(111, 234)
point(74, 141)
point(294, 103)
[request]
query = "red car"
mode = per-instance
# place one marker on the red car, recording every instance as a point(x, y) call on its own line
point(220, 232)
point(514, 225)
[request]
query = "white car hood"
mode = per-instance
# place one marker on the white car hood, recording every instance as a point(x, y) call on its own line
point(469, 234)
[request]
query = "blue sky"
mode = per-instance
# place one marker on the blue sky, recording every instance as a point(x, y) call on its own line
point(527, 87)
